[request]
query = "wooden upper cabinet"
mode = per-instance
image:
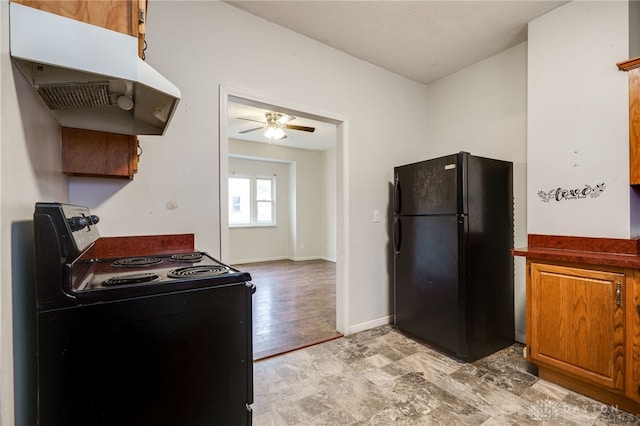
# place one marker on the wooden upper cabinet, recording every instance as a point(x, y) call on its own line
point(99, 154)
point(632, 66)
point(634, 126)
point(576, 322)
point(87, 152)
point(116, 15)
point(141, 20)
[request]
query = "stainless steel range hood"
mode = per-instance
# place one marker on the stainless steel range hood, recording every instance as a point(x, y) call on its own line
point(88, 76)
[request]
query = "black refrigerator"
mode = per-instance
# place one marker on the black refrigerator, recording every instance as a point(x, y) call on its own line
point(453, 270)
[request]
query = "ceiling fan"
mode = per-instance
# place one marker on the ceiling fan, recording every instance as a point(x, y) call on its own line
point(275, 125)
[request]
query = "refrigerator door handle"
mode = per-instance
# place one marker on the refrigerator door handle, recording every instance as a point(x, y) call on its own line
point(396, 195)
point(397, 235)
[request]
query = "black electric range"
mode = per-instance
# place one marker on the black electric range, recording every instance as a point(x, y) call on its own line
point(153, 340)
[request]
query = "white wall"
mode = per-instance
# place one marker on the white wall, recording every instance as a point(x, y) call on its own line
point(30, 171)
point(578, 120)
point(263, 243)
point(328, 218)
point(482, 110)
point(201, 45)
point(306, 224)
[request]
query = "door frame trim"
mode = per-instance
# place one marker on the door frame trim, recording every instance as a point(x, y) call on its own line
point(342, 185)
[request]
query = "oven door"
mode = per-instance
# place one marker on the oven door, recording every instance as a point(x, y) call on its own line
point(182, 358)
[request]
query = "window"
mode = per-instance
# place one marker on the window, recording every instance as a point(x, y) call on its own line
point(239, 201)
point(251, 201)
point(264, 201)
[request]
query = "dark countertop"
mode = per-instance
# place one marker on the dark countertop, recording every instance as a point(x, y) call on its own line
point(596, 251)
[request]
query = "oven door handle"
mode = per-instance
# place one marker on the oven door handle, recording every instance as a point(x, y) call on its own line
point(249, 336)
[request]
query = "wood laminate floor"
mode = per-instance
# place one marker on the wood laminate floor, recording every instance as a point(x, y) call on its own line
point(294, 305)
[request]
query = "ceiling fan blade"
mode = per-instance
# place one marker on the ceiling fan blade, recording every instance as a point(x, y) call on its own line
point(284, 118)
point(303, 128)
point(251, 130)
point(250, 119)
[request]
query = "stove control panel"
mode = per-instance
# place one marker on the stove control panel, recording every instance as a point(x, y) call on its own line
point(81, 223)
point(78, 223)
point(73, 227)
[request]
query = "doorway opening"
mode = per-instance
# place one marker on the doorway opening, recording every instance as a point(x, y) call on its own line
point(294, 305)
point(303, 249)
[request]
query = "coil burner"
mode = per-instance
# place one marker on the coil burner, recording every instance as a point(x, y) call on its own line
point(142, 277)
point(186, 257)
point(135, 262)
point(198, 271)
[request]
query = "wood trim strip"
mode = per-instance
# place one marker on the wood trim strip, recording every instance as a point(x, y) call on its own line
point(579, 257)
point(629, 64)
point(616, 252)
point(589, 244)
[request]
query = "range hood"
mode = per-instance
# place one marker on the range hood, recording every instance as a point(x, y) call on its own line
point(88, 76)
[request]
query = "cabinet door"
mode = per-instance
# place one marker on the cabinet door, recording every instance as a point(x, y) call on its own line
point(633, 334)
point(91, 153)
point(577, 322)
point(634, 126)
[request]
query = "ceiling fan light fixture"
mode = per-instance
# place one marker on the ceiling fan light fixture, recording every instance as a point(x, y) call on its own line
point(274, 133)
point(275, 124)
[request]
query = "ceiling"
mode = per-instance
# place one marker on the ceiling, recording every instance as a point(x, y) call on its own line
point(421, 40)
point(245, 115)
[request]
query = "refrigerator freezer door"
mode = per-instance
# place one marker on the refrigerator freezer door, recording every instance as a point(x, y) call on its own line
point(428, 187)
point(427, 293)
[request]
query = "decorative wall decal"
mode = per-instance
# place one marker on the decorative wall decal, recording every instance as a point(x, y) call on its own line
point(560, 194)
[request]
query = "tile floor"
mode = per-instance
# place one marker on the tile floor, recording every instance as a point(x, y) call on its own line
point(382, 377)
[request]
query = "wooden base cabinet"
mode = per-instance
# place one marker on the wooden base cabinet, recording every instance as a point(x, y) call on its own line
point(582, 329)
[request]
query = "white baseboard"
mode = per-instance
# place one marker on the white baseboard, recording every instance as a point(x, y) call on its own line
point(356, 328)
point(256, 260)
point(273, 259)
point(303, 258)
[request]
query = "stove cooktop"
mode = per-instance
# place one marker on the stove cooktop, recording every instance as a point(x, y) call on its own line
point(169, 269)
